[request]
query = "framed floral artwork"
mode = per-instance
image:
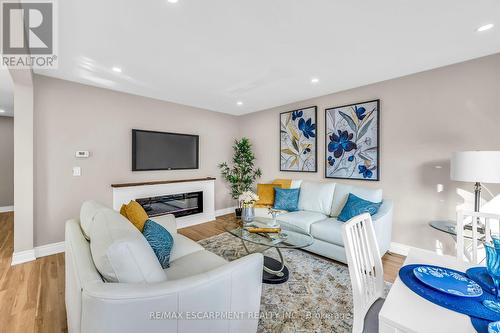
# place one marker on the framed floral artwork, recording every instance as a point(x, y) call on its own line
point(298, 140)
point(352, 141)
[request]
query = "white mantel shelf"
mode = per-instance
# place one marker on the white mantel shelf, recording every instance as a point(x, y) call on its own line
point(158, 182)
point(123, 193)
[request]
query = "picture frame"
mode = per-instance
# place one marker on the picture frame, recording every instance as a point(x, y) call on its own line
point(299, 140)
point(352, 141)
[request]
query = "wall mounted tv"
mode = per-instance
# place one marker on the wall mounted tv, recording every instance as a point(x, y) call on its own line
point(164, 151)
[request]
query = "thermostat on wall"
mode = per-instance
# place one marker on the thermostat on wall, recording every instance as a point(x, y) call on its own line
point(82, 154)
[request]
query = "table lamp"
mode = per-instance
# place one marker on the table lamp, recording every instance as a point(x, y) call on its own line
point(476, 167)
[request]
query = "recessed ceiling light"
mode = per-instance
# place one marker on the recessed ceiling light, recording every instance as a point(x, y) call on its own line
point(239, 103)
point(117, 69)
point(2, 111)
point(485, 27)
point(314, 80)
point(173, 1)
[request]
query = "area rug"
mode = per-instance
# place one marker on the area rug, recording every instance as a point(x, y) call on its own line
point(316, 298)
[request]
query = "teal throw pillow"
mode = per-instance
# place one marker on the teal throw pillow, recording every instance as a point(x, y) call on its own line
point(160, 240)
point(286, 198)
point(355, 206)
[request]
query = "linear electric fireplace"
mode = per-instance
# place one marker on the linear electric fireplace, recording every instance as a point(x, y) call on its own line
point(182, 204)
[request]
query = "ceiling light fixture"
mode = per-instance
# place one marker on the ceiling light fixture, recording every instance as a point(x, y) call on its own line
point(314, 80)
point(485, 27)
point(117, 69)
point(173, 1)
point(239, 103)
point(2, 111)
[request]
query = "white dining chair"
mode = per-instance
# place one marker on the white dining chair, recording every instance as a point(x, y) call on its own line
point(481, 225)
point(366, 271)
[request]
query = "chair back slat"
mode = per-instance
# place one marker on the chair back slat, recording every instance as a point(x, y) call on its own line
point(365, 266)
point(471, 249)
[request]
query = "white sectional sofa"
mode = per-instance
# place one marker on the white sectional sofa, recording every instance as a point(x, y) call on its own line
point(320, 203)
point(142, 297)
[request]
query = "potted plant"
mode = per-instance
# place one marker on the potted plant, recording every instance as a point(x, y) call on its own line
point(247, 200)
point(243, 173)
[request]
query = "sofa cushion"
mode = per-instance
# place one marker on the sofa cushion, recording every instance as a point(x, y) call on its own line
point(355, 206)
point(136, 214)
point(328, 230)
point(266, 193)
point(284, 183)
point(296, 183)
point(160, 240)
point(316, 196)
point(192, 264)
point(120, 252)
point(286, 199)
point(342, 192)
point(302, 219)
point(183, 246)
point(87, 213)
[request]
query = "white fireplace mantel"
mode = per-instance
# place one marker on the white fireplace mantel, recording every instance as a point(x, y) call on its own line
point(123, 193)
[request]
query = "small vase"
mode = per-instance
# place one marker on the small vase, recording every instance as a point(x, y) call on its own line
point(248, 214)
point(237, 212)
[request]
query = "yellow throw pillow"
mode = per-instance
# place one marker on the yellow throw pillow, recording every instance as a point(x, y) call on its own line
point(266, 193)
point(285, 183)
point(136, 214)
point(123, 211)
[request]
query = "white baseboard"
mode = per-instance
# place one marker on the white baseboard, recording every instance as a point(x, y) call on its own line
point(39, 251)
point(399, 248)
point(49, 249)
point(6, 209)
point(224, 211)
point(23, 256)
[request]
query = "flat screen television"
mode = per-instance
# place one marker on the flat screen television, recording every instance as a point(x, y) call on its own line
point(164, 151)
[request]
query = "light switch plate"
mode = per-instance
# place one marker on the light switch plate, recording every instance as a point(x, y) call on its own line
point(77, 171)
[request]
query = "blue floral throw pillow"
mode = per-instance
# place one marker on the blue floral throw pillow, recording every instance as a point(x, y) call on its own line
point(286, 198)
point(160, 240)
point(355, 206)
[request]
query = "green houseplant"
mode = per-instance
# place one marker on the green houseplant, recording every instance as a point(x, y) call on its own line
point(242, 174)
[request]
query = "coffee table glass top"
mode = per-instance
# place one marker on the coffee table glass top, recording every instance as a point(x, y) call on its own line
point(290, 236)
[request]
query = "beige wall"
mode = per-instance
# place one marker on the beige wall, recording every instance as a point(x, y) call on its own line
point(6, 161)
point(424, 118)
point(71, 117)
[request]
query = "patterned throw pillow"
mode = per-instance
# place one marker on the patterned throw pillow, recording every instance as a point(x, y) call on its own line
point(286, 199)
point(160, 240)
point(355, 206)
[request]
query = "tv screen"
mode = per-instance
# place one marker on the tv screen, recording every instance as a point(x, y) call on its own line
point(163, 151)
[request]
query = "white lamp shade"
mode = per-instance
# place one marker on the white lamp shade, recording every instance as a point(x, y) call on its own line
point(476, 166)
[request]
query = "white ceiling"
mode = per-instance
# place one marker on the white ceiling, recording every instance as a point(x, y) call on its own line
point(211, 54)
point(6, 93)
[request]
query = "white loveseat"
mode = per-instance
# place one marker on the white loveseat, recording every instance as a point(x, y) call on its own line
point(199, 292)
point(320, 203)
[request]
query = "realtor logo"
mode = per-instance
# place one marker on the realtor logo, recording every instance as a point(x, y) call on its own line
point(28, 34)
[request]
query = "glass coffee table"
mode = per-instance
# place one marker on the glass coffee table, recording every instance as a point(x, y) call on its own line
point(290, 237)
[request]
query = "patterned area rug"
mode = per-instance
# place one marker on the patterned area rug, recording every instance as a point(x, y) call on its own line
point(316, 298)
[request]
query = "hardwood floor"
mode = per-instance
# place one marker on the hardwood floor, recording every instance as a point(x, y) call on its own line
point(32, 294)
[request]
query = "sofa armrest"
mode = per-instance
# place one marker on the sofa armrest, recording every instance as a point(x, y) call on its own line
point(230, 289)
point(382, 224)
point(167, 221)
